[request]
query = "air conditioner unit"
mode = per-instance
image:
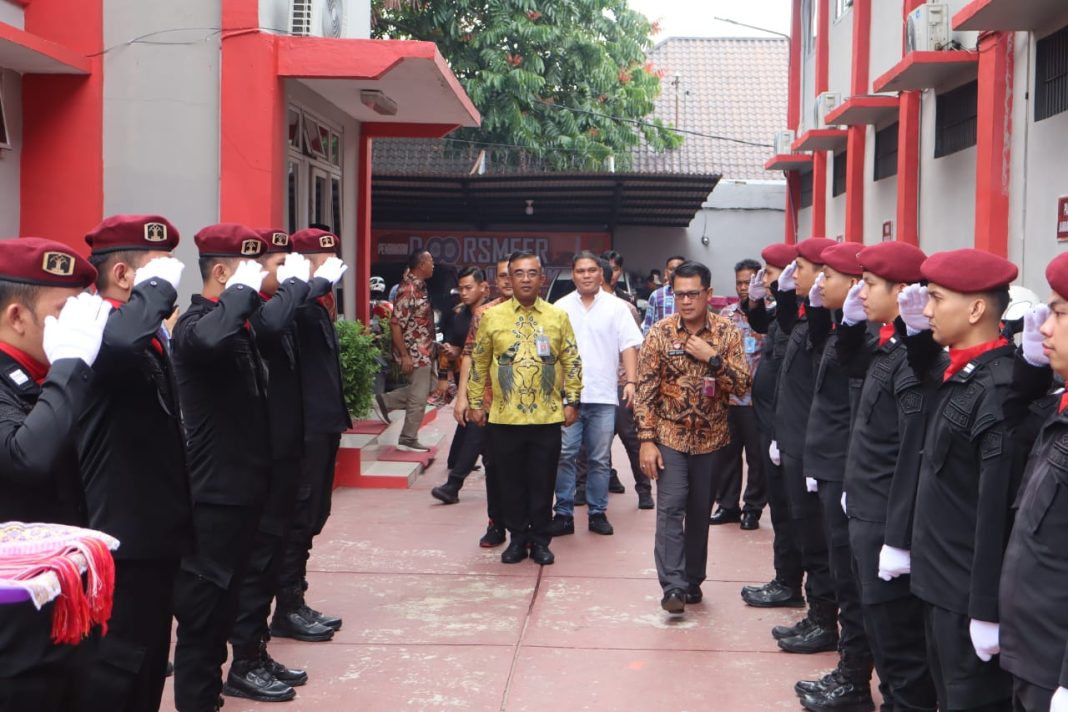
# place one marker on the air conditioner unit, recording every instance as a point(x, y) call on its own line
point(330, 18)
point(784, 142)
point(927, 29)
point(826, 102)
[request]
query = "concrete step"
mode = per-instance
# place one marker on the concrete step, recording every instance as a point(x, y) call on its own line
point(388, 475)
point(369, 456)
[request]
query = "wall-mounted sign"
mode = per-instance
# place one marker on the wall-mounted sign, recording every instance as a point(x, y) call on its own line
point(1062, 218)
point(888, 231)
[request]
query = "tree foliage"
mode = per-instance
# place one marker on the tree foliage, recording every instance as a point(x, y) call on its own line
point(555, 76)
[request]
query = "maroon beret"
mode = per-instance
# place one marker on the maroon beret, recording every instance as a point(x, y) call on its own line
point(229, 240)
point(813, 247)
point(34, 260)
point(779, 255)
point(842, 257)
point(969, 271)
point(1057, 274)
point(277, 239)
point(312, 240)
point(132, 232)
point(895, 261)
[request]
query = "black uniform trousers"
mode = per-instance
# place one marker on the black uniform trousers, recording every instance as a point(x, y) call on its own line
point(130, 662)
point(807, 524)
point(494, 498)
point(963, 681)
point(207, 593)
point(462, 458)
point(893, 619)
point(261, 576)
point(525, 458)
point(314, 494)
point(49, 678)
point(1027, 697)
point(745, 437)
point(853, 643)
point(785, 553)
point(456, 447)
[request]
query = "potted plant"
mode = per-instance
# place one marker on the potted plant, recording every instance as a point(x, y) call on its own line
point(360, 365)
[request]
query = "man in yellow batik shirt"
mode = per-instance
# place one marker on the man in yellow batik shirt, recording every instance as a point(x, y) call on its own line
point(525, 348)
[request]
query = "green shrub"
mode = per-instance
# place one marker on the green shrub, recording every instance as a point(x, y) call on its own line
point(359, 366)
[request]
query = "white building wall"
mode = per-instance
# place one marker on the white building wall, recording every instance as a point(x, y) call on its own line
point(840, 67)
point(10, 160)
point(887, 36)
point(836, 210)
point(12, 14)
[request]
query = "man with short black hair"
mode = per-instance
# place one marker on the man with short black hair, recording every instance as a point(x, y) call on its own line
point(662, 301)
point(691, 363)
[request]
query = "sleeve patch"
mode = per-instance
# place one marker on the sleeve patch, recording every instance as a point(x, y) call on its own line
point(911, 402)
point(991, 445)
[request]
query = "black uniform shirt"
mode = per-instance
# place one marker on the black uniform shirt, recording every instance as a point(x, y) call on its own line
point(130, 439)
point(797, 378)
point(320, 372)
point(827, 438)
point(222, 384)
point(766, 377)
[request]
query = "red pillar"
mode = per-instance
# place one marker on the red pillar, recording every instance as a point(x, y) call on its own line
point(62, 170)
point(793, 119)
point(858, 135)
point(819, 158)
point(994, 148)
point(908, 158)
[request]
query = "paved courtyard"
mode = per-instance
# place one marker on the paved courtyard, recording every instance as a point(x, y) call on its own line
point(433, 622)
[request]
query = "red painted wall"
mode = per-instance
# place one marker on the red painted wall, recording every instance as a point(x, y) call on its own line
point(994, 147)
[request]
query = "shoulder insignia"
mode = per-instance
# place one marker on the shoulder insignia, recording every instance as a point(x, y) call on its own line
point(911, 402)
point(18, 376)
point(991, 445)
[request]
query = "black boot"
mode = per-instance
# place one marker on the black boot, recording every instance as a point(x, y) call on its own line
point(817, 639)
point(249, 679)
point(614, 485)
point(323, 619)
point(289, 622)
point(774, 595)
point(290, 676)
point(817, 687)
point(449, 493)
point(849, 696)
point(781, 632)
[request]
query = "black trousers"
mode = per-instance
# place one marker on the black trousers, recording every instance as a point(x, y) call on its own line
point(314, 492)
point(462, 459)
point(807, 525)
point(785, 552)
point(456, 446)
point(893, 620)
point(745, 437)
point(853, 643)
point(1027, 697)
point(494, 498)
point(34, 673)
point(963, 681)
point(525, 457)
point(207, 592)
point(129, 664)
point(261, 576)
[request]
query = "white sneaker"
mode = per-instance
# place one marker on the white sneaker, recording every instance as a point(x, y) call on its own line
point(413, 447)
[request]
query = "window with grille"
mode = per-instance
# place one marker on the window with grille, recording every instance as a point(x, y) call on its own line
point(5, 139)
point(840, 167)
point(1051, 75)
point(806, 190)
point(886, 152)
point(956, 121)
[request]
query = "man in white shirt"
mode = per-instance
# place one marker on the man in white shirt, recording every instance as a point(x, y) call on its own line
point(606, 333)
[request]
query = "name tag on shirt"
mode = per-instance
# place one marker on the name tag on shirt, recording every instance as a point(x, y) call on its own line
point(676, 350)
point(541, 343)
point(708, 389)
point(750, 344)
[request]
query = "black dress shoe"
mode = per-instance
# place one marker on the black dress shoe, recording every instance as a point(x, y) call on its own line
point(674, 601)
point(694, 595)
point(248, 679)
point(780, 632)
point(750, 521)
point(761, 587)
point(725, 516)
point(290, 676)
point(448, 493)
point(562, 525)
point(775, 596)
point(614, 485)
point(645, 501)
point(827, 682)
point(599, 524)
point(847, 697)
point(494, 536)
point(817, 639)
point(291, 624)
point(580, 497)
point(516, 552)
point(540, 555)
point(327, 621)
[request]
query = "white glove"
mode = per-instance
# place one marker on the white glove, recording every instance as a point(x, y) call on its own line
point(985, 639)
point(757, 290)
point(814, 297)
point(844, 510)
point(249, 274)
point(787, 283)
point(911, 301)
point(812, 485)
point(773, 453)
point(166, 268)
point(1031, 341)
point(296, 266)
point(331, 270)
point(78, 330)
point(1059, 703)
point(853, 308)
point(894, 562)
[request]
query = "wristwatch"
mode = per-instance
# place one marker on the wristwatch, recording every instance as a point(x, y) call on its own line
point(715, 362)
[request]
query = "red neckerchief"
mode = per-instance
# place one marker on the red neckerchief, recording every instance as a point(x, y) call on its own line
point(1064, 403)
point(886, 332)
point(959, 358)
point(801, 310)
point(115, 304)
point(38, 371)
point(265, 296)
point(329, 303)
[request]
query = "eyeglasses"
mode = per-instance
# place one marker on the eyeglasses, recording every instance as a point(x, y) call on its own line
point(689, 296)
point(526, 274)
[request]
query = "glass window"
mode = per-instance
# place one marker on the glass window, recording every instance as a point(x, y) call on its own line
point(335, 205)
point(292, 188)
point(806, 190)
point(335, 149)
point(841, 166)
point(293, 116)
point(886, 152)
point(314, 145)
point(956, 120)
point(1051, 75)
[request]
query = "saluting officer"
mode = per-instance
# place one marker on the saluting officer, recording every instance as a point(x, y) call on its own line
point(131, 448)
point(1034, 577)
point(222, 384)
point(39, 404)
point(972, 462)
point(254, 674)
point(325, 418)
point(785, 589)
